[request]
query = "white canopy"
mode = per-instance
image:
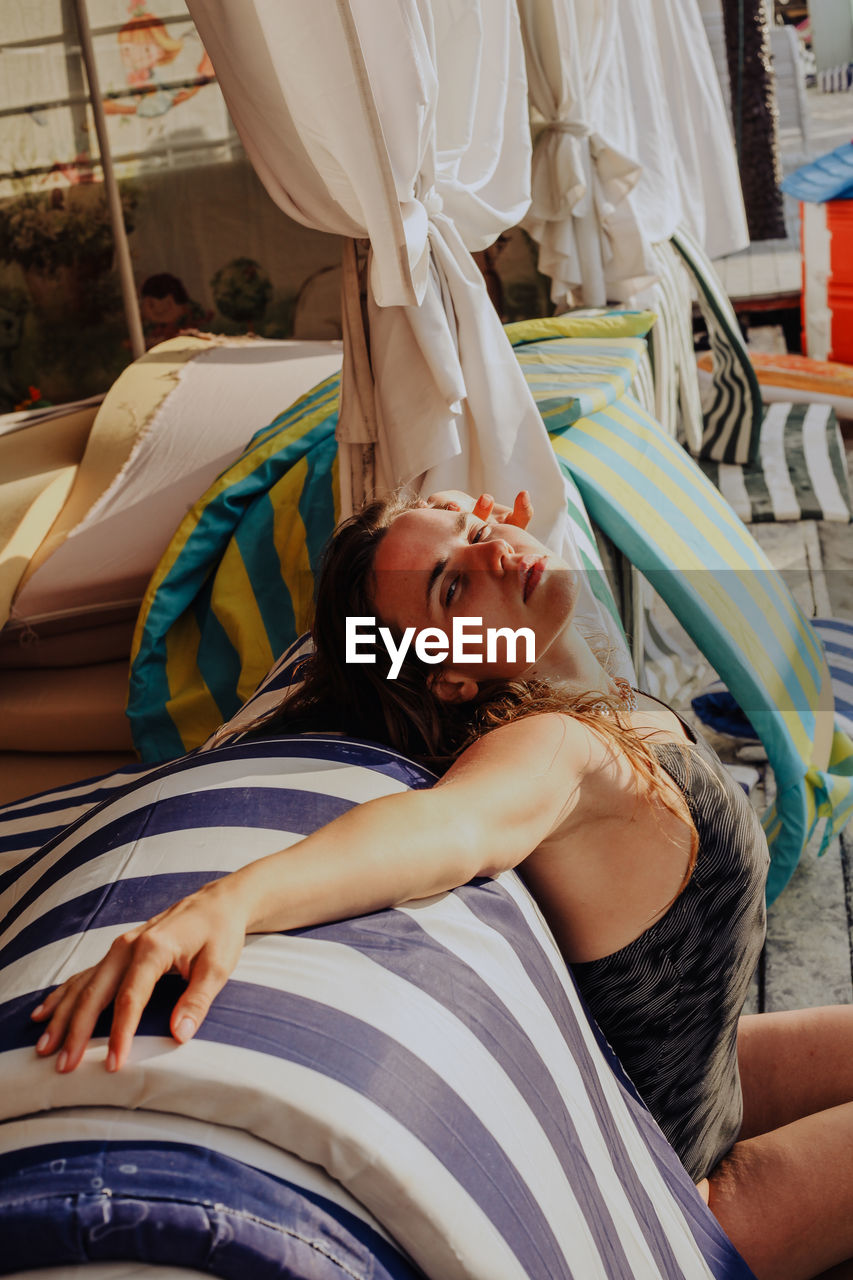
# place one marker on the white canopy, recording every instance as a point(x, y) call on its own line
point(338, 106)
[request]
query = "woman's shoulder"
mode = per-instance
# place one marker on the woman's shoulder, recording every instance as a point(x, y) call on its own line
point(548, 758)
point(659, 723)
point(542, 753)
point(538, 732)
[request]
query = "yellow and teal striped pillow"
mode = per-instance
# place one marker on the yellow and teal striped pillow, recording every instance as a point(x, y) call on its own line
point(236, 585)
point(649, 496)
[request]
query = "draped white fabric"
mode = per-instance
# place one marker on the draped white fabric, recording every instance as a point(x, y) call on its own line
point(635, 142)
point(707, 169)
point(662, 103)
point(338, 105)
point(583, 214)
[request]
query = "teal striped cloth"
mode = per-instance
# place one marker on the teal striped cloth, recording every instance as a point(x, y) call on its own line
point(236, 584)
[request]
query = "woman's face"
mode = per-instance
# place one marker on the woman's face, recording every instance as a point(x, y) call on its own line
point(434, 565)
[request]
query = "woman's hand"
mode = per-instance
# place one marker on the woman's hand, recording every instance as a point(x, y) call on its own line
point(200, 938)
point(485, 507)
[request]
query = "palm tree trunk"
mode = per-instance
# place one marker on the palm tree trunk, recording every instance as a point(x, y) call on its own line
point(754, 115)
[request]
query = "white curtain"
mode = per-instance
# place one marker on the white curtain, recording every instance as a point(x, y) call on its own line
point(635, 142)
point(661, 101)
point(583, 214)
point(404, 121)
point(338, 106)
point(707, 171)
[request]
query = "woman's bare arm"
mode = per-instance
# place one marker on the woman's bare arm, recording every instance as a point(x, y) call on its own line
point(496, 804)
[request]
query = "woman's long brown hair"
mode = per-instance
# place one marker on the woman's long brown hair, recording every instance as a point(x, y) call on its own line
point(404, 713)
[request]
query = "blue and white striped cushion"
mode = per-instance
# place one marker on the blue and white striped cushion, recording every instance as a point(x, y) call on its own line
point(433, 1060)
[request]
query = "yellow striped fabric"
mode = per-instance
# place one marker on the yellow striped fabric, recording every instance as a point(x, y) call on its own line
point(573, 377)
point(235, 586)
point(666, 517)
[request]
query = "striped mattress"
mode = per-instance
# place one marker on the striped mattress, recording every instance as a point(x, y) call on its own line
point(413, 1093)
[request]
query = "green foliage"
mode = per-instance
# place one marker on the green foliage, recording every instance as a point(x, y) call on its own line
point(46, 230)
point(242, 290)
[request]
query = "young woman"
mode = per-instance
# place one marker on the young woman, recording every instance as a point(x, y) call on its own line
point(646, 859)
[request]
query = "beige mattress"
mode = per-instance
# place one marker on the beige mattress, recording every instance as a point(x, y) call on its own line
point(91, 497)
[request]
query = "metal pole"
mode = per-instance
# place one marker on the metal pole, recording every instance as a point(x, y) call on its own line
point(125, 268)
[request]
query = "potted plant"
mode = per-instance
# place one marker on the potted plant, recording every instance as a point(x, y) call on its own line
point(242, 291)
point(62, 240)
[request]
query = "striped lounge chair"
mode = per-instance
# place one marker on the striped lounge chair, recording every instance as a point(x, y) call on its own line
point(672, 524)
point(782, 461)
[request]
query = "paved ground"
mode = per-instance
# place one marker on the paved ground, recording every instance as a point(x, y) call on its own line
point(808, 959)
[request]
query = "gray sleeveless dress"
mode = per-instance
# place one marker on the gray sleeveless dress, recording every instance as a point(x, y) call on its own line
point(669, 1002)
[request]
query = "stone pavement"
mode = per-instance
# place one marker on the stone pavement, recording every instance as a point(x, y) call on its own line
point(808, 957)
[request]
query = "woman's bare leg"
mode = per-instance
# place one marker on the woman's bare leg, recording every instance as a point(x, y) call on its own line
point(785, 1198)
point(794, 1064)
point(784, 1194)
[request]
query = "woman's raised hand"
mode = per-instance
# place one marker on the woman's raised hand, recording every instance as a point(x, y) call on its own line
point(485, 507)
point(200, 938)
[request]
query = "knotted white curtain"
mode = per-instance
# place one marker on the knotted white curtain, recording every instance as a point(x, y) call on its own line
point(582, 214)
point(404, 121)
point(635, 142)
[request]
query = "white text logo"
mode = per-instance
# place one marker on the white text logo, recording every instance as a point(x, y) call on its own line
point(466, 643)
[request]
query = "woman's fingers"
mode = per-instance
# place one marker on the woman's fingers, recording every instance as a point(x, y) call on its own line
point(520, 514)
point(83, 1000)
point(522, 511)
point(150, 961)
point(58, 1007)
point(485, 506)
point(45, 1010)
point(209, 975)
point(127, 974)
point(200, 937)
point(52, 1001)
